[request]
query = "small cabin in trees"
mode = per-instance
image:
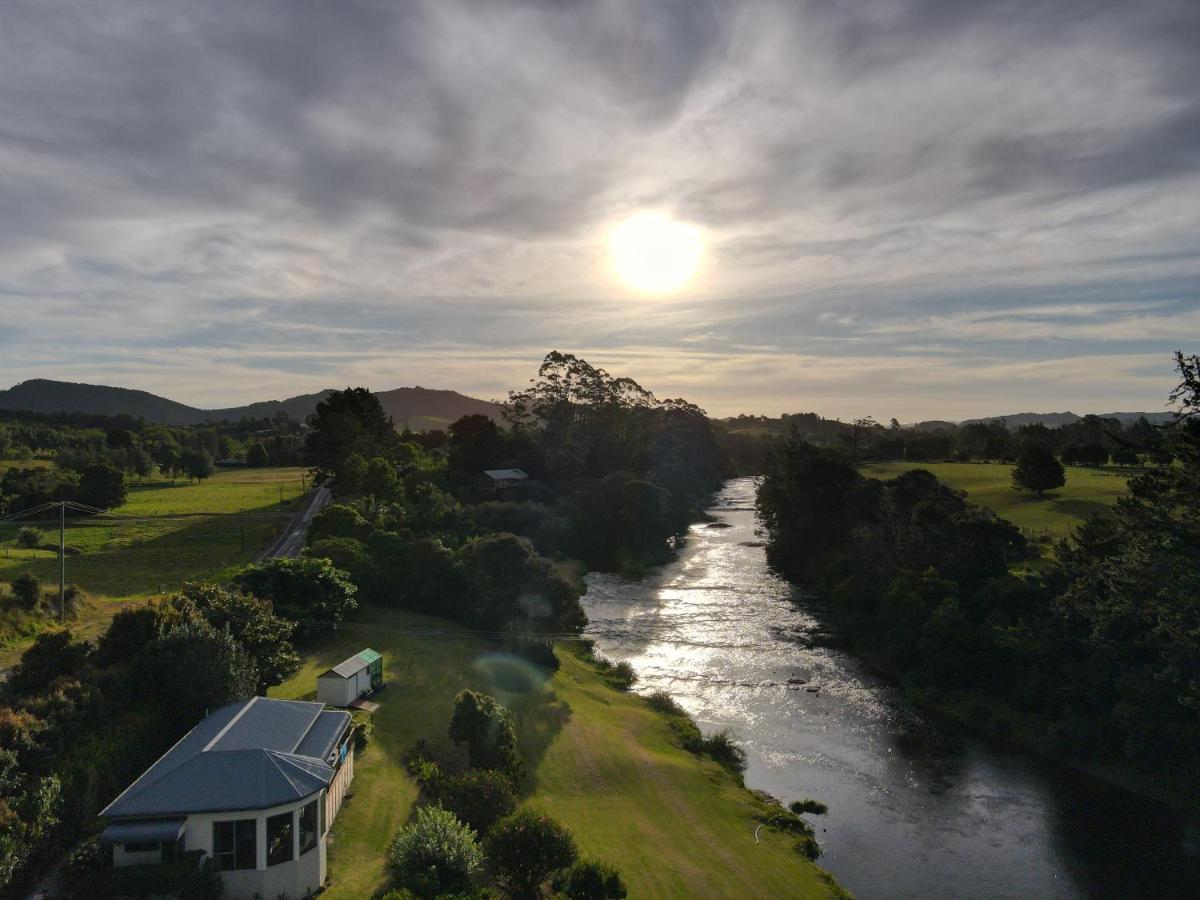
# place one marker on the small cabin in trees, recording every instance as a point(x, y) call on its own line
point(350, 679)
point(504, 479)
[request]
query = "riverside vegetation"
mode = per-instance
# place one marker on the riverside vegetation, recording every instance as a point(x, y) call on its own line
point(1092, 658)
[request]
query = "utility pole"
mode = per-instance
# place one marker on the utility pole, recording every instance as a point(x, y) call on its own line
point(62, 560)
point(242, 527)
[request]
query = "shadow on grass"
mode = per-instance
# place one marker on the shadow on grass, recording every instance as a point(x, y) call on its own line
point(1081, 509)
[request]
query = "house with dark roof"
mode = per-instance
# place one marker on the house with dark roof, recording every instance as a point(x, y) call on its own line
point(255, 786)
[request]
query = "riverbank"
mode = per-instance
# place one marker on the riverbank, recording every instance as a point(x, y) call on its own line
point(917, 806)
point(600, 761)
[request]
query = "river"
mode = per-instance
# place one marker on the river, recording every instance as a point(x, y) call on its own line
point(916, 808)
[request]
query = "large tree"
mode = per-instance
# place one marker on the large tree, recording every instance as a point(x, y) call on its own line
point(1038, 470)
point(346, 423)
point(302, 588)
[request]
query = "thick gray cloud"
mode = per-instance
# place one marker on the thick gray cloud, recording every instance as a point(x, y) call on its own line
point(226, 200)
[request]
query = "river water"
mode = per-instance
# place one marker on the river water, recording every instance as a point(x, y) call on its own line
point(916, 808)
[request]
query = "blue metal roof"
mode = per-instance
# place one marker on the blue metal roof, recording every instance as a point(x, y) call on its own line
point(249, 755)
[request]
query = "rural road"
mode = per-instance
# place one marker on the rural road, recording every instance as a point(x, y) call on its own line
point(291, 541)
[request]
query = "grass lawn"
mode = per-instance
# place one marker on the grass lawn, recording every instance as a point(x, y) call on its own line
point(598, 760)
point(123, 562)
point(1086, 492)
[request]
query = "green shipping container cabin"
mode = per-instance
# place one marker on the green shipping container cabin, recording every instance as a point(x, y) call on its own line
point(350, 679)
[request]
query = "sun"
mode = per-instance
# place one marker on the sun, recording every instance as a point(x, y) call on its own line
point(654, 253)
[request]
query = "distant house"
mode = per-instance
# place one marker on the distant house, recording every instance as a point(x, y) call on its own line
point(350, 679)
point(504, 479)
point(255, 786)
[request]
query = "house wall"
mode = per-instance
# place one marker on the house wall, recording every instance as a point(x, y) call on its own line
point(339, 785)
point(335, 690)
point(121, 857)
point(298, 878)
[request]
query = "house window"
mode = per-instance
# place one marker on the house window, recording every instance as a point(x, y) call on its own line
point(141, 848)
point(309, 827)
point(235, 844)
point(280, 847)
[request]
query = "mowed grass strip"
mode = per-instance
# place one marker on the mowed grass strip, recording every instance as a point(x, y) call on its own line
point(121, 562)
point(1088, 491)
point(598, 760)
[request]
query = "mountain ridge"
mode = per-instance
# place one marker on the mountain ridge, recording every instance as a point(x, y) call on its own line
point(415, 407)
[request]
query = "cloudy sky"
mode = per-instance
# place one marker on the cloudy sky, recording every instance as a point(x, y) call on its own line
point(919, 208)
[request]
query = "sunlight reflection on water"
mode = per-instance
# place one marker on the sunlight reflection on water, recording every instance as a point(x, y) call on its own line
point(915, 809)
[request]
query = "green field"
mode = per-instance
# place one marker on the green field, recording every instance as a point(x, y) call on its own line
point(599, 761)
point(1087, 491)
point(189, 532)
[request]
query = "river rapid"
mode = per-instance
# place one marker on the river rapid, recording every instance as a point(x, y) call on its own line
point(917, 808)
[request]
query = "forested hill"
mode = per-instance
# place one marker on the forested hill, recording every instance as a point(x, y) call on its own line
point(415, 407)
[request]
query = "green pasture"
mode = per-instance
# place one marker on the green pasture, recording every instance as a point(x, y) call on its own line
point(1088, 491)
point(184, 532)
point(598, 760)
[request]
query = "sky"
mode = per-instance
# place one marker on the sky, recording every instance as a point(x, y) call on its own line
point(910, 208)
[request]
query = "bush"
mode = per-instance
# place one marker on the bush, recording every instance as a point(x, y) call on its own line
point(30, 538)
point(27, 590)
point(722, 748)
point(479, 797)
point(591, 880)
point(486, 728)
point(808, 805)
point(525, 849)
point(434, 854)
point(619, 675)
point(662, 702)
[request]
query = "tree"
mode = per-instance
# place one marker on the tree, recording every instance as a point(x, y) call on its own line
point(52, 655)
point(486, 728)
point(511, 587)
point(195, 669)
point(262, 634)
point(303, 588)
point(198, 464)
point(479, 797)
point(30, 538)
point(101, 485)
point(435, 854)
point(527, 848)
point(257, 457)
point(1038, 470)
point(27, 590)
point(1125, 456)
point(475, 444)
point(591, 880)
point(346, 423)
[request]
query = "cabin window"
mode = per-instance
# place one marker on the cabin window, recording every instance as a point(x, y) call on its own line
point(309, 827)
point(280, 846)
point(235, 844)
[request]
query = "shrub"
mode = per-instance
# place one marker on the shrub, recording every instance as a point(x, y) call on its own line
point(620, 675)
point(486, 728)
point(661, 701)
point(591, 880)
point(27, 590)
point(30, 538)
point(808, 805)
point(434, 854)
point(722, 748)
point(525, 849)
point(479, 797)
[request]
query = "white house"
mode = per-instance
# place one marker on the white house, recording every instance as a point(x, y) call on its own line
point(350, 679)
point(255, 785)
point(504, 479)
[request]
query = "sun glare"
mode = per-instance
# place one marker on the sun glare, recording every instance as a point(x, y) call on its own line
point(654, 253)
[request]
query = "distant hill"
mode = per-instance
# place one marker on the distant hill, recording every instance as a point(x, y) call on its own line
point(415, 407)
point(1055, 420)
